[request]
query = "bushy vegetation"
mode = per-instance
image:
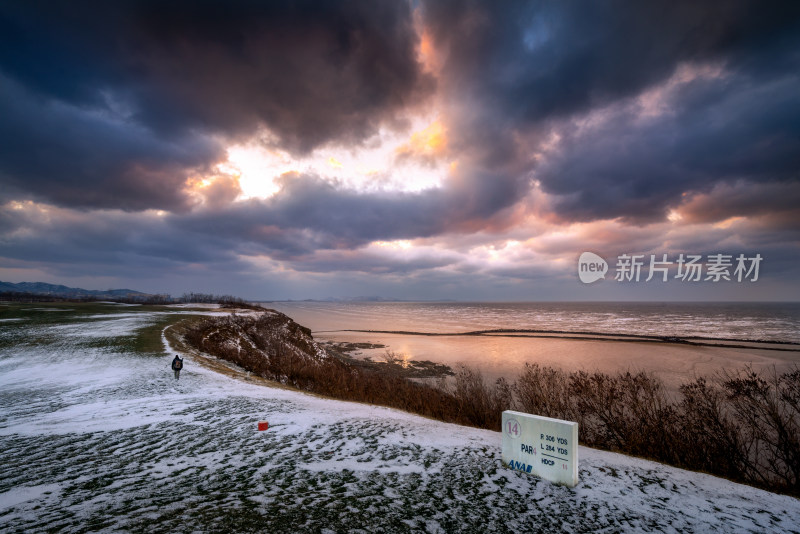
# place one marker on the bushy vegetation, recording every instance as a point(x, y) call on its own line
point(226, 301)
point(744, 425)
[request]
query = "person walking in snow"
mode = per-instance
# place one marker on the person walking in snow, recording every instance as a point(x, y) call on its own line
point(177, 365)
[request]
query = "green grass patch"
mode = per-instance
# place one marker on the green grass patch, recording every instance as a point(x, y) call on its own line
point(143, 340)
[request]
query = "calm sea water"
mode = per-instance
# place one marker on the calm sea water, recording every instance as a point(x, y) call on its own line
point(506, 356)
point(759, 321)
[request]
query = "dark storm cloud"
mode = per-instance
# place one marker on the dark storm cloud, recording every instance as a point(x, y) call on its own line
point(539, 60)
point(113, 243)
point(312, 72)
point(367, 262)
point(117, 104)
point(638, 169)
point(70, 157)
point(311, 213)
point(778, 202)
point(119, 242)
point(533, 67)
point(114, 104)
point(117, 97)
point(309, 224)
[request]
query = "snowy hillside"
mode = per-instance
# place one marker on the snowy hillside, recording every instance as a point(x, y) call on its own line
point(96, 436)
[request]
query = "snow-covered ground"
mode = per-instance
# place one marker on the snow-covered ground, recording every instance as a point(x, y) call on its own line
point(94, 437)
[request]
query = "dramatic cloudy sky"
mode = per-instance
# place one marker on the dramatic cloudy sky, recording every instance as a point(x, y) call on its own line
point(421, 150)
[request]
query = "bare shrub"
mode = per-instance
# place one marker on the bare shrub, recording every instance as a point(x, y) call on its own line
point(709, 438)
point(478, 403)
point(766, 407)
point(626, 412)
point(392, 358)
point(544, 391)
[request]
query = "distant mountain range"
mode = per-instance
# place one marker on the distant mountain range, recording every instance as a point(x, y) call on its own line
point(42, 288)
point(60, 291)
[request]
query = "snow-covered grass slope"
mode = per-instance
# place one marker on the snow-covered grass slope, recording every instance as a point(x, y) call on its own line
point(97, 437)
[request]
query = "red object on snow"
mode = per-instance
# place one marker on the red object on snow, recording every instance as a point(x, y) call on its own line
point(263, 425)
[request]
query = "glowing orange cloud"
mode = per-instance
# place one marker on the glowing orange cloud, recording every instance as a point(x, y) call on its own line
point(428, 143)
point(213, 191)
point(426, 52)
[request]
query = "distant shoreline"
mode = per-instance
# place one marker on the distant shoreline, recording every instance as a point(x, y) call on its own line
point(698, 341)
point(381, 300)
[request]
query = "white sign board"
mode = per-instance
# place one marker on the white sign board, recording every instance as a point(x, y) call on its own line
point(541, 446)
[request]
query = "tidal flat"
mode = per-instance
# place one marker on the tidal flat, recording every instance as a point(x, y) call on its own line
point(605, 337)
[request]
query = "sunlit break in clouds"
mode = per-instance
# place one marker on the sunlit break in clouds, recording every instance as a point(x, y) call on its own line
point(390, 161)
point(419, 150)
